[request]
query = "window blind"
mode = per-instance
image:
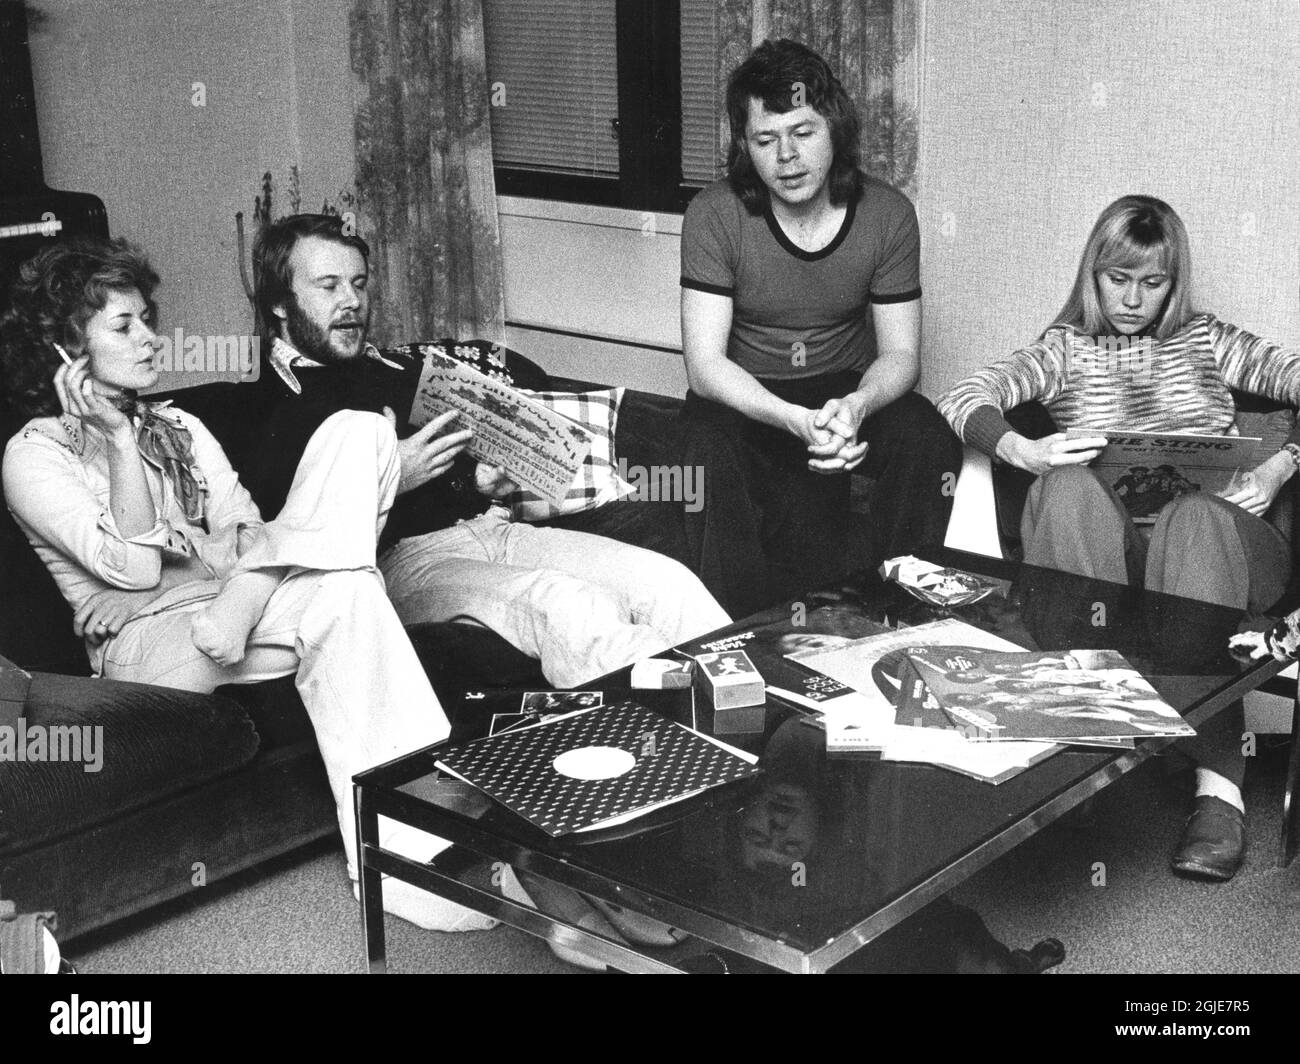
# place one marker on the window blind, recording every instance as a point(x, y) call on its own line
point(553, 81)
point(703, 115)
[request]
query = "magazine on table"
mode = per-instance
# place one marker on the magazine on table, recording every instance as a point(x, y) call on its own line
point(1148, 470)
point(1061, 696)
point(595, 768)
point(539, 448)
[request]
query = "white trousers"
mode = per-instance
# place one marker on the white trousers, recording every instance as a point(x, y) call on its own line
point(583, 605)
point(329, 623)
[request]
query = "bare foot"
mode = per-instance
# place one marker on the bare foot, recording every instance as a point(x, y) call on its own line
point(221, 629)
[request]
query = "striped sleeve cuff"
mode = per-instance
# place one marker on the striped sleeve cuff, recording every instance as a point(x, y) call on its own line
point(984, 428)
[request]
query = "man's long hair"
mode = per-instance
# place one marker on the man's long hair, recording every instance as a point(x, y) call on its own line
point(1130, 233)
point(272, 274)
point(779, 73)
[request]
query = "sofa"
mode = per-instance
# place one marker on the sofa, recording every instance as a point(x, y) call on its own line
point(194, 788)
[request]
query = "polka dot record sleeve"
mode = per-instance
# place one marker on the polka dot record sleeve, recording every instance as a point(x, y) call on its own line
point(669, 762)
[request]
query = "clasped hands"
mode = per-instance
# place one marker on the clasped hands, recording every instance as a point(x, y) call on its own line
point(831, 434)
point(430, 451)
point(1254, 491)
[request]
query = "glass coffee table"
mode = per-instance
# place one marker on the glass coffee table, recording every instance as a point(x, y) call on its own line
point(821, 854)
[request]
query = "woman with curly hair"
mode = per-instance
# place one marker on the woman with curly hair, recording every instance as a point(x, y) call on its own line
point(171, 574)
point(1128, 352)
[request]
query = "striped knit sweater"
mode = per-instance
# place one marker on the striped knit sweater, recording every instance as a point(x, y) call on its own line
point(1181, 384)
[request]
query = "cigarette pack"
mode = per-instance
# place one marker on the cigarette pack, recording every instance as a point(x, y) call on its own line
point(730, 680)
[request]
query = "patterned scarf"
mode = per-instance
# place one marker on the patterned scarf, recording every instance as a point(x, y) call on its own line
point(170, 447)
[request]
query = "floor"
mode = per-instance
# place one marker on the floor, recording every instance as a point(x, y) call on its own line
point(1097, 880)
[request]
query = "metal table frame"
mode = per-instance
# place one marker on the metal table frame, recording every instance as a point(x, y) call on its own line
point(375, 794)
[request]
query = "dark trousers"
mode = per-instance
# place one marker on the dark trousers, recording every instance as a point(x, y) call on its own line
point(770, 528)
point(1201, 548)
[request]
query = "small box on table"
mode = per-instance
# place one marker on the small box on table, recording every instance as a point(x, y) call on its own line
point(732, 684)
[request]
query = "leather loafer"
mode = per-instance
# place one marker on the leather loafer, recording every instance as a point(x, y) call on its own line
point(1213, 845)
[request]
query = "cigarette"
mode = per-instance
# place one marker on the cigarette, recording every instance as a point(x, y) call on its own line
point(67, 358)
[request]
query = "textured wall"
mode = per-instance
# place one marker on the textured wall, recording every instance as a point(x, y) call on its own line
point(115, 99)
point(1037, 113)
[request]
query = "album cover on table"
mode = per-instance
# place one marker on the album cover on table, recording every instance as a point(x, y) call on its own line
point(1061, 695)
point(594, 768)
point(870, 666)
point(918, 707)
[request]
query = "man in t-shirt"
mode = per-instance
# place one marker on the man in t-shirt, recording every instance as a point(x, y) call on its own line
point(801, 329)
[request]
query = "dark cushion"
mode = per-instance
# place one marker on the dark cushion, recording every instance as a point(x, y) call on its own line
point(650, 430)
point(153, 742)
point(458, 657)
point(655, 525)
point(35, 623)
point(226, 408)
point(275, 709)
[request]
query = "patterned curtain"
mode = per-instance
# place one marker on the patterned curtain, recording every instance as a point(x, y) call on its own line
point(871, 46)
point(426, 199)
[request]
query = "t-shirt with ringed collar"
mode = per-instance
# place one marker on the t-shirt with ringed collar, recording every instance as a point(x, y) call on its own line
point(783, 296)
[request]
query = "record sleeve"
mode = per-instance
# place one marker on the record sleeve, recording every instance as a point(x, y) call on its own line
point(869, 666)
point(1059, 695)
point(1148, 470)
point(595, 768)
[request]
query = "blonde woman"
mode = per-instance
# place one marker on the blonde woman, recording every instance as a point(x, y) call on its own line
point(1128, 351)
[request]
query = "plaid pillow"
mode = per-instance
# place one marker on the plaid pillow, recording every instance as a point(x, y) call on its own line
point(598, 481)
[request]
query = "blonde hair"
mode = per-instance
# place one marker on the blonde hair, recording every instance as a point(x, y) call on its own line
point(1127, 234)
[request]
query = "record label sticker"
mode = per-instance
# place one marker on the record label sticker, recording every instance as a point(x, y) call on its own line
point(594, 763)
